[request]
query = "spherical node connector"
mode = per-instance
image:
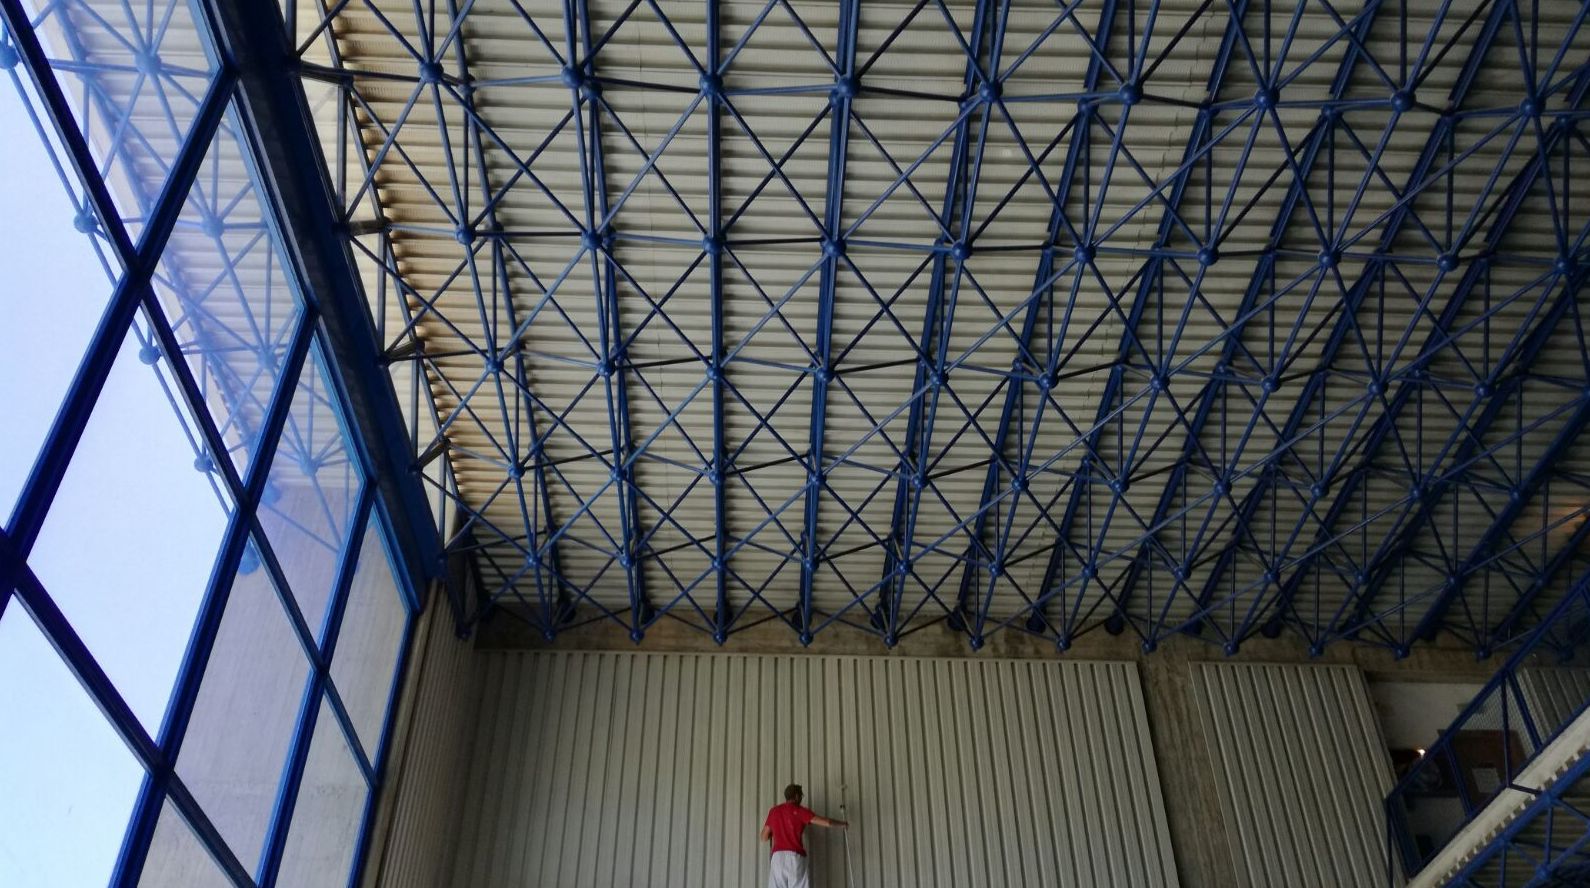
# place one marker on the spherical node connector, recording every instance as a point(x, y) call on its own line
point(1400, 652)
point(604, 369)
point(1564, 266)
point(515, 472)
point(712, 246)
point(1482, 391)
point(990, 91)
point(719, 636)
point(203, 465)
point(1266, 98)
point(637, 634)
point(212, 227)
point(1316, 491)
point(936, 379)
point(712, 372)
point(1375, 388)
point(1316, 650)
point(902, 569)
point(1179, 574)
point(571, 77)
point(549, 635)
point(890, 639)
point(711, 86)
point(1269, 384)
point(1330, 113)
point(1483, 653)
point(995, 569)
point(977, 642)
point(1156, 383)
point(1089, 571)
point(1220, 489)
point(85, 222)
point(1447, 262)
point(822, 375)
point(1150, 645)
point(1402, 101)
point(1270, 579)
point(1083, 254)
point(844, 88)
point(1117, 486)
point(1018, 484)
point(1231, 648)
point(918, 482)
point(532, 561)
point(148, 64)
point(960, 251)
point(591, 241)
point(8, 57)
point(149, 354)
point(430, 73)
point(806, 638)
point(1062, 643)
point(1528, 107)
point(1329, 258)
point(1129, 94)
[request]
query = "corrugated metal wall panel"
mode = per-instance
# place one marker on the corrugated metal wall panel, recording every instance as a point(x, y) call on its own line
point(1554, 695)
point(426, 774)
point(1302, 770)
point(656, 769)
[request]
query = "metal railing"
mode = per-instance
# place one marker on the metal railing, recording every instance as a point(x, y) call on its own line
point(1541, 688)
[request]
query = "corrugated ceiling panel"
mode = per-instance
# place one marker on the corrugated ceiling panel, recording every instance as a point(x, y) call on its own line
point(1302, 772)
point(657, 769)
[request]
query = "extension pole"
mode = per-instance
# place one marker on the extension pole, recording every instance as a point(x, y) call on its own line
point(844, 836)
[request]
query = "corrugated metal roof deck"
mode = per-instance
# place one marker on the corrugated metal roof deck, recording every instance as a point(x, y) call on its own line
point(470, 238)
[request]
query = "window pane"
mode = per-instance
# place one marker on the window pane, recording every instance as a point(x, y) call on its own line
point(246, 713)
point(51, 307)
point(364, 664)
point(131, 539)
point(309, 501)
point(69, 781)
point(177, 858)
point(329, 815)
point(225, 292)
point(134, 74)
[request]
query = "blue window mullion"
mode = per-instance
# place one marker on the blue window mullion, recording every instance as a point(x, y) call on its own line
point(319, 685)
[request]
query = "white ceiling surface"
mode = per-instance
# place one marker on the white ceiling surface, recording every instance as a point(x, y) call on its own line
point(875, 360)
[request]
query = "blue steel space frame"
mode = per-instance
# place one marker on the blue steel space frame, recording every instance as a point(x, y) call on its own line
point(304, 377)
point(1462, 243)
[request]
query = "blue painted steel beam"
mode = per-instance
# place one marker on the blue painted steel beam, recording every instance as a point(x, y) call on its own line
point(840, 98)
point(1015, 392)
point(1466, 442)
point(979, 86)
point(1519, 497)
point(1130, 93)
point(1340, 334)
point(1542, 580)
point(598, 244)
point(1192, 447)
point(717, 472)
point(552, 600)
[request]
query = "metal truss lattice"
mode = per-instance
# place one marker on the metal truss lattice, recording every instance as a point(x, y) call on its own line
point(1160, 317)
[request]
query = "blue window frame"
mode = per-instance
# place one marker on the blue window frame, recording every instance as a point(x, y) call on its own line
point(200, 590)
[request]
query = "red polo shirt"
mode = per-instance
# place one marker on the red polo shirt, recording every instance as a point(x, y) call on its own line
point(787, 822)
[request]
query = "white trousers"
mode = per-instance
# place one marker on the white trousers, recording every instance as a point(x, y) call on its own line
point(788, 870)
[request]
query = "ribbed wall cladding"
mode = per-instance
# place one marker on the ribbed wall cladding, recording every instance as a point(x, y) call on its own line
point(426, 778)
point(1555, 695)
point(618, 769)
point(1302, 771)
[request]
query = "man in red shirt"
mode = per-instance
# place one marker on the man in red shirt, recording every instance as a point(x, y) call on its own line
point(784, 825)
